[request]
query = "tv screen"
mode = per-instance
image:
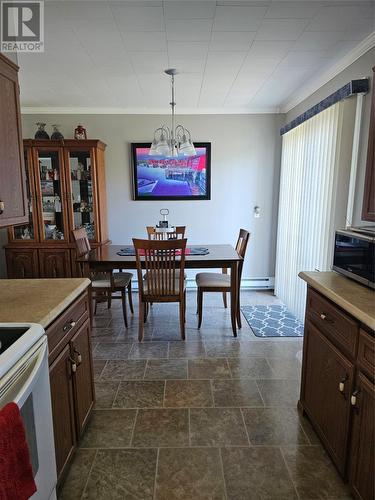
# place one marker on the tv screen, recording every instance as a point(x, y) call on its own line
point(165, 178)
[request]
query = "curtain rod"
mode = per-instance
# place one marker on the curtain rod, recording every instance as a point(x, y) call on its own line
point(353, 87)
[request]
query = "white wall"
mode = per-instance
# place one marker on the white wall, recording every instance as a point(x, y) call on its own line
point(361, 68)
point(245, 172)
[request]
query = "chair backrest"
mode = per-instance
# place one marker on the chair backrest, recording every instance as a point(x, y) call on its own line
point(82, 241)
point(160, 260)
point(179, 233)
point(241, 246)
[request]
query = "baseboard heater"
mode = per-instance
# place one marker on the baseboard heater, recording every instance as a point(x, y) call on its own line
point(267, 283)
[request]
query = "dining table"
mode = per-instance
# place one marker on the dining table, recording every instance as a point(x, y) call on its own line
point(221, 256)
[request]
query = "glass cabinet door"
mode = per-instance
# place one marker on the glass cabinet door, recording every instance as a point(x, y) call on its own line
point(81, 178)
point(28, 231)
point(51, 180)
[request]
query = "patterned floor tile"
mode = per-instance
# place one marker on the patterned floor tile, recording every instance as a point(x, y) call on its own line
point(188, 393)
point(217, 427)
point(161, 428)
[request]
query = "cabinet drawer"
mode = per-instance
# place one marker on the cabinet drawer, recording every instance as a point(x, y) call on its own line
point(67, 324)
point(366, 353)
point(338, 326)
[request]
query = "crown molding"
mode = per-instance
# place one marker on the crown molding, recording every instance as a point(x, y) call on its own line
point(315, 84)
point(31, 110)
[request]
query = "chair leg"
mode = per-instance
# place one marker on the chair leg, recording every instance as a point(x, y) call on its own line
point(225, 299)
point(109, 300)
point(130, 297)
point(95, 305)
point(145, 312)
point(185, 306)
point(182, 318)
point(239, 323)
point(141, 320)
point(200, 307)
point(123, 300)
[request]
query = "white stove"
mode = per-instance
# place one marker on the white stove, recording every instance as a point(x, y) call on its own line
point(24, 379)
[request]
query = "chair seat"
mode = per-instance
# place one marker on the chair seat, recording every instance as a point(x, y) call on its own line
point(122, 279)
point(177, 274)
point(101, 284)
point(176, 286)
point(213, 280)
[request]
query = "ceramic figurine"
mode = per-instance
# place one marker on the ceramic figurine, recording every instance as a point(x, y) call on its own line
point(56, 134)
point(41, 133)
point(80, 132)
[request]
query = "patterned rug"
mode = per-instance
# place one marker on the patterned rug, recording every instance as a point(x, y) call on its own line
point(272, 321)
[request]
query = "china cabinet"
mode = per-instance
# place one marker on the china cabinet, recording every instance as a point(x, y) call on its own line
point(65, 186)
point(12, 173)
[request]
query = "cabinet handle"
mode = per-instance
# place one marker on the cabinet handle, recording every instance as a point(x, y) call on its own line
point(2, 207)
point(79, 356)
point(324, 317)
point(342, 384)
point(73, 364)
point(353, 399)
point(69, 326)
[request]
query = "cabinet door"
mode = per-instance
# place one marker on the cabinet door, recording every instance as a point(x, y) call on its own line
point(51, 193)
point(362, 466)
point(327, 406)
point(83, 378)
point(54, 263)
point(368, 207)
point(28, 232)
point(12, 173)
point(22, 262)
point(62, 408)
point(82, 190)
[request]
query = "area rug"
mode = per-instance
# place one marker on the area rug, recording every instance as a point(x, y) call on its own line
point(272, 321)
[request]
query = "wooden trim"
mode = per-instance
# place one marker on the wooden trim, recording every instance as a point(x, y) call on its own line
point(368, 213)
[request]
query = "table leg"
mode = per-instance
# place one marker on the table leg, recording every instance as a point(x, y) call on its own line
point(233, 297)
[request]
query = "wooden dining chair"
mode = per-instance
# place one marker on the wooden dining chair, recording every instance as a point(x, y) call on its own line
point(220, 282)
point(161, 261)
point(179, 233)
point(104, 283)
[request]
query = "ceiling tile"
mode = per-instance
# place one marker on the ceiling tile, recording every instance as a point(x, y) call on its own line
point(189, 10)
point(145, 41)
point(313, 40)
point(281, 29)
point(231, 40)
point(224, 64)
point(196, 30)
point(149, 62)
point(134, 17)
point(266, 49)
point(292, 10)
point(238, 18)
point(339, 17)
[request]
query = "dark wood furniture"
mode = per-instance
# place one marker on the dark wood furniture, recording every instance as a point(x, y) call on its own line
point(338, 391)
point(220, 282)
point(65, 191)
point(368, 207)
point(105, 258)
point(71, 378)
point(106, 283)
point(13, 197)
point(164, 262)
point(155, 235)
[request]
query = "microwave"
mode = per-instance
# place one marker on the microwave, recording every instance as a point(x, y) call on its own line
point(354, 255)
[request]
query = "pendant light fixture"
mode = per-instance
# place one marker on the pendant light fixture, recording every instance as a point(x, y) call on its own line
point(176, 140)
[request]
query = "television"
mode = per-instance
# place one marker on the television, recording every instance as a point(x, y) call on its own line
point(166, 178)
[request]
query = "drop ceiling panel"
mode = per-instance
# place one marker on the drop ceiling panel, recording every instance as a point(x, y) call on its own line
point(230, 54)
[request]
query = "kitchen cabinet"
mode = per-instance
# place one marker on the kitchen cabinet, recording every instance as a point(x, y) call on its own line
point(368, 207)
point(65, 183)
point(23, 263)
point(327, 392)
point(71, 378)
point(337, 389)
point(13, 196)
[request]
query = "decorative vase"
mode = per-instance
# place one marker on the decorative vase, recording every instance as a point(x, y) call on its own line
point(56, 134)
point(41, 133)
point(80, 132)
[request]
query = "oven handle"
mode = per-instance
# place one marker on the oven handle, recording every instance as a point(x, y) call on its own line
point(27, 386)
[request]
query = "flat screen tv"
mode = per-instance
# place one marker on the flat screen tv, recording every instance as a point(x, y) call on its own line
point(165, 178)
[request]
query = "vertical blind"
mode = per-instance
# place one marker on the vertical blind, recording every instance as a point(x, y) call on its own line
point(309, 184)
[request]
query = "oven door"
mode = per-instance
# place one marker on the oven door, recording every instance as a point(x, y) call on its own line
point(27, 384)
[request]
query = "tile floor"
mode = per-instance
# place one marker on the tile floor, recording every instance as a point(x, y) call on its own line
point(210, 418)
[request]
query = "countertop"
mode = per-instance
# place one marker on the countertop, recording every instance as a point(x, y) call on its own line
point(38, 300)
point(356, 299)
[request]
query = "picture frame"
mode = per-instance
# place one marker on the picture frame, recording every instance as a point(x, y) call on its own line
point(165, 178)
